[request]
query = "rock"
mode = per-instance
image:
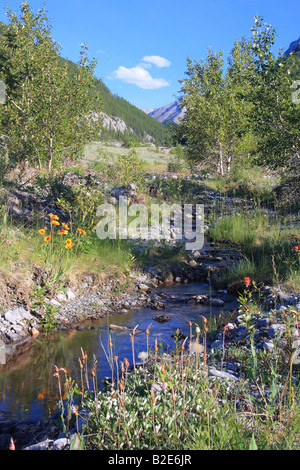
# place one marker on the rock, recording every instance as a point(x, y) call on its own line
point(70, 294)
point(34, 331)
point(222, 375)
point(263, 323)
point(61, 444)
point(54, 302)
point(154, 272)
point(18, 314)
point(157, 305)
point(167, 277)
point(143, 287)
point(19, 330)
point(115, 192)
point(275, 330)
point(116, 327)
point(241, 332)
point(196, 254)
point(61, 297)
point(231, 326)
point(131, 187)
point(215, 302)
point(178, 279)
point(162, 318)
point(193, 263)
point(218, 344)
point(268, 345)
point(44, 445)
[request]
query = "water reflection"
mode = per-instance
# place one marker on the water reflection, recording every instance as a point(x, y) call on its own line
point(28, 389)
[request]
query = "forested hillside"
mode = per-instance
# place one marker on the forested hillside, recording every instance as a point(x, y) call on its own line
point(134, 118)
point(137, 122)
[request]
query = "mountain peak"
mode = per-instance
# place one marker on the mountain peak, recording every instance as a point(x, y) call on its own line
point(171, 112)
point(293, 47)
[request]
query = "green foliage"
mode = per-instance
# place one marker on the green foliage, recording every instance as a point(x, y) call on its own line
point(247, 114)
point(48, 113)
point(47, 311)
point(170, 403)
point(275, 116)
point(216, 123)
point(268, 250)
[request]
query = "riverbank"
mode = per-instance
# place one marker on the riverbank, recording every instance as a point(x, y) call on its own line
point(132, 279)
point(226, 384)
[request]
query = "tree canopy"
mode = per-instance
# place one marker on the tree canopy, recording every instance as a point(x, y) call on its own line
point(49, 112)
point(245, 112)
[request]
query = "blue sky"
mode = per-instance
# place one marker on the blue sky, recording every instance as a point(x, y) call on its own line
point(142, 46)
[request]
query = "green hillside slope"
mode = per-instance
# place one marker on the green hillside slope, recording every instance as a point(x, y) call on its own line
point(135, 119)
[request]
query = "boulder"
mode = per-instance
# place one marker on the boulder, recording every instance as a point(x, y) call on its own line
point(17, 315)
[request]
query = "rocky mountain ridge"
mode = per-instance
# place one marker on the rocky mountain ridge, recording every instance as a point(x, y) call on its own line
point(172, 112)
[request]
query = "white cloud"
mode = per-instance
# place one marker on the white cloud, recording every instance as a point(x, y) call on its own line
point(156, 60)
point(139, 76)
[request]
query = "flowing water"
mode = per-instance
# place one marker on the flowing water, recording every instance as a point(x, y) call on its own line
point(28, 389)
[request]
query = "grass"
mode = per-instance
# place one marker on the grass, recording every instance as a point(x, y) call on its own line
point(267, 245)
point(253, 183)
point(25, 251)
point(153, 160)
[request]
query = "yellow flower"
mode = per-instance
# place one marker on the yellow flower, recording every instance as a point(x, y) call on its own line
point(65, 226)
point(69, 245)
point(54, 222)
point(55, 217)
point(68, 241)
point(48, 238)
point(62, 232)
point(42, 231)
point(83, 232)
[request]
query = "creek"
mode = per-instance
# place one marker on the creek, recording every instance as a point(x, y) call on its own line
point(28, 389)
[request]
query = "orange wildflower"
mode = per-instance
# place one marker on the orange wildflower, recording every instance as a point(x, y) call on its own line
point(83, 232)
point(42, 231)
point(54, 222)
point(55, 217)
point(65, 226)
point(69, 245)
point(12, 444)
point(47, 239)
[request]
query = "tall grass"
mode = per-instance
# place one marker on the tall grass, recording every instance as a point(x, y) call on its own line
point(25, 247)
point(171, 402)
point(267, 245)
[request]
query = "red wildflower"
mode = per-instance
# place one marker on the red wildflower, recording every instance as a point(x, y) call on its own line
point(247, 281)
